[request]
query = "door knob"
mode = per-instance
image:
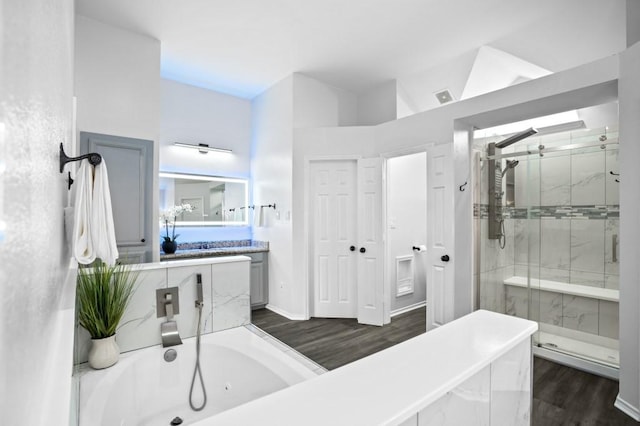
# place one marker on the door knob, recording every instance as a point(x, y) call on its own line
point(143, 240)
point(444, 258)
point(352, 248)
point(362, 249)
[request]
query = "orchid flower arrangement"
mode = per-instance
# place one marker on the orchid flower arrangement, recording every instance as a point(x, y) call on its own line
point(170, 216)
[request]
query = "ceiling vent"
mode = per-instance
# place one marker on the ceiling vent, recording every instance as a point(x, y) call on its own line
point(444, 96)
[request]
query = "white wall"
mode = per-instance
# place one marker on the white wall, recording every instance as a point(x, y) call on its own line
point(629, 153)
point(194, 115)
point(316, 104)
point(271, 141)
point(117, 86)
point(37, 301)
point(117, 81)
point(406, 223)
point(378, 105)
point(633, 22)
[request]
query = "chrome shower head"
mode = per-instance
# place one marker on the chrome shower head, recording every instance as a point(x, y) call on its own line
point(511, 164)
point(517, 137)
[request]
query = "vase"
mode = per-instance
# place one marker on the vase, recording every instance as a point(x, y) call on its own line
point(169, 247)
point(104, 352)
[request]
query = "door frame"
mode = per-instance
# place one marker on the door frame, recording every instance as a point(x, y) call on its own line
point(386, 156)
point(307, 241)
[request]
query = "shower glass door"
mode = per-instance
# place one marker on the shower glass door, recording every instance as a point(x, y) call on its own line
point(559, 261)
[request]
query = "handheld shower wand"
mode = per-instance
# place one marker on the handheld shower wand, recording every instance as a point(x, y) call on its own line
point(197, 371)
point(199, 298)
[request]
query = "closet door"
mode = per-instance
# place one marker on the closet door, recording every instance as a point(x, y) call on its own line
point(129, 165)
point(440, 237)
point(370, 249)
point(333, 207)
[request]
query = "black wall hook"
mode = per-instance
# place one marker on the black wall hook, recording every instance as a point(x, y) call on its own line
point(94, 158)
point(462, 187)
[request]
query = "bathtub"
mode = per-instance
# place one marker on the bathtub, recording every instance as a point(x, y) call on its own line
point(237, 365)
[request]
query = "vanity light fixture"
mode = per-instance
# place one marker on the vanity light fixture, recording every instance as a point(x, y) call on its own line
point(203, 148)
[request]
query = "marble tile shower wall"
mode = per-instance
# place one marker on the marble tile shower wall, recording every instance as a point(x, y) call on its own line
point(561, 229)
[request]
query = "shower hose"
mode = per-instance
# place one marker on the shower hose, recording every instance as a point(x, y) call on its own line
point(197, 370)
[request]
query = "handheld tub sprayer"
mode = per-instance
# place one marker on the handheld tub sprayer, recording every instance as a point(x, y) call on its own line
point(199, 304)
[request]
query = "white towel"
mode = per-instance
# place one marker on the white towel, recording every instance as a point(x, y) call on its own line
point(103, 231)
point(69, 221)
point(93, 230)
point(258, 217)
point(82, 241)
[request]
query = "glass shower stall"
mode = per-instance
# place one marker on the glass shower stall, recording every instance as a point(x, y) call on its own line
point(546, 218)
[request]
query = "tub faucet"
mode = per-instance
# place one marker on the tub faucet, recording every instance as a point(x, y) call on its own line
point(169, 328)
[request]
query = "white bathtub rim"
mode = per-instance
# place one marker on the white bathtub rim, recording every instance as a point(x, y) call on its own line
point(95, 385)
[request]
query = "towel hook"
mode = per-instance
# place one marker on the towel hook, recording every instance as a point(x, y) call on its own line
point(93, 157)
point(462, 187)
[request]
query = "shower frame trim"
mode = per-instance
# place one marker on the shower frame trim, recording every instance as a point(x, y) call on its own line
point(542, 150)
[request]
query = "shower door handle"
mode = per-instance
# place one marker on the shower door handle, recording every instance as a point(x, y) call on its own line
point(444, 258)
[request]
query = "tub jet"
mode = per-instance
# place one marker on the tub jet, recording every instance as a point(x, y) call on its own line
point(176, 421)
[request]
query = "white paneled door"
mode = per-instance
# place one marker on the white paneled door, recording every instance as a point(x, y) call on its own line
point(370, 270)
point(440, 216)
point(346, 211)
point(334, 233)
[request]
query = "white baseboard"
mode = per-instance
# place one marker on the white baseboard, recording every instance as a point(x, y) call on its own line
point(627, 408)
point(285, 314)
point(407, 309)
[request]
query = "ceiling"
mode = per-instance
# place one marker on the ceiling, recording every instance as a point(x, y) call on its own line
point(242, 47)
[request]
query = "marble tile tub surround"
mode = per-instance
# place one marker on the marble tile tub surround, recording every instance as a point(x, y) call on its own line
point(482, 367)
point(225, 292)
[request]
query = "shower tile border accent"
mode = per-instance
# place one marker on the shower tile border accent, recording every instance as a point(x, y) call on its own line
point(595, 212)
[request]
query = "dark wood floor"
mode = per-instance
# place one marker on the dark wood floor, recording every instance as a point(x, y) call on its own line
point(562, 396)
point(566, 396)
point(334, 342)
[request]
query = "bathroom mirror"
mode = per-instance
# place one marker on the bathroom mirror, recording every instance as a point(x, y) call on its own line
point(216, 201)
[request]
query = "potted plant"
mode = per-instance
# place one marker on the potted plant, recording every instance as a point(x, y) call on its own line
point(169, 245)
point(103, 293)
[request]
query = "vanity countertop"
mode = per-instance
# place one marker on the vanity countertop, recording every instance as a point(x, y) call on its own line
point(223, 250)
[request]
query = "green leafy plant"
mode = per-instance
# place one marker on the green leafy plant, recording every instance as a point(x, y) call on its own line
point(103, 293)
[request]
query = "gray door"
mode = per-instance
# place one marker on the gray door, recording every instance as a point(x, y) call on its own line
point(130, 166)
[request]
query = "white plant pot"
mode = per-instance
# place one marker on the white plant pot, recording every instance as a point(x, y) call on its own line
point(104, 352)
